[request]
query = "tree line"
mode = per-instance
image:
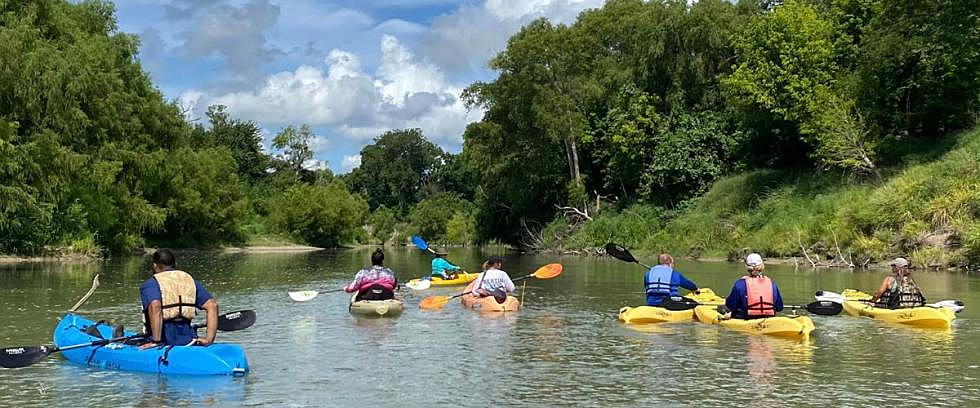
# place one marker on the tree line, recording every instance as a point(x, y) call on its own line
point(637, 102)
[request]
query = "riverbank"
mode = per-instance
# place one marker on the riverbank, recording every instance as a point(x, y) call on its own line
point(925, 208)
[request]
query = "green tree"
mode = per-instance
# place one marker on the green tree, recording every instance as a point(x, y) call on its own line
point(295, 146)
point(919, 66)
point(382, 222)
point(787, 68)
point(242, 138)
point(461, 229)
point(325, 216)
point(431, 216)
point(395, 168)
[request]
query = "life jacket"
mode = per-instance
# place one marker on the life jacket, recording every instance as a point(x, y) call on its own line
point(902, 292)
point(759, 296)
point(659, 281)
point(178, 294)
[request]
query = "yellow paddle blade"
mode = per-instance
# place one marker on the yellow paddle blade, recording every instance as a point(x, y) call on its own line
point(548, 271)
point(434, 302)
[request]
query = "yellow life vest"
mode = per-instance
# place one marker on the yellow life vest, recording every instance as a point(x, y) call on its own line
point(178, 294)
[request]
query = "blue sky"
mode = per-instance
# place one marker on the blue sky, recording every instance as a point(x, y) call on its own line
point(351, 69)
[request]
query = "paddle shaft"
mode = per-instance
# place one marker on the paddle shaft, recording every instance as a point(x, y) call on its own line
point(481, 283)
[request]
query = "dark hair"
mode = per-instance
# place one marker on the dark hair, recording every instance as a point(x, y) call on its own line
point(493, 260)
point(163, 257)
point(378, 257)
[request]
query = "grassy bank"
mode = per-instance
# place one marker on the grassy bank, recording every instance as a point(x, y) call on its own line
point(927, 209)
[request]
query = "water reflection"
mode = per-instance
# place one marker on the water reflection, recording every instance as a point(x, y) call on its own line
point(565, 347)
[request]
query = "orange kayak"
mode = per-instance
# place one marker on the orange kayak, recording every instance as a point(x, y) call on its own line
point(488, 304)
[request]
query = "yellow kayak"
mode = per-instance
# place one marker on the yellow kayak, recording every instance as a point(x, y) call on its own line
point(933, 317)
point(795, 327)
point(656, 314)
point(461, 279)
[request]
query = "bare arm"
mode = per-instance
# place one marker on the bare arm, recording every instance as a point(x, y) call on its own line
point(211, 307)
point(884, 287)
point(154, 315)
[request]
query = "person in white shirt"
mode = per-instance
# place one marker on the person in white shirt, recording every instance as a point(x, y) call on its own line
point(493, 278)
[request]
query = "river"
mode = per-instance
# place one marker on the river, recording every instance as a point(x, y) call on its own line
point(565, 347)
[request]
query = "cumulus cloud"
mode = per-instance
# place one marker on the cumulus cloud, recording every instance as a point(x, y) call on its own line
point(236, 35)
point(349, 101)
point(351, 162)
point(463, 41)
point(314, 165)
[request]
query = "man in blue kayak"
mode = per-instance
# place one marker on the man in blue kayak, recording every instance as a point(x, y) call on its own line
point(754, 296)
point(663, 282)
point(441, 268)
point(170, 300)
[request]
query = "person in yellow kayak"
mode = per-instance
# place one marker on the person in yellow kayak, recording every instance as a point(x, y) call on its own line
point(441, 268)
point(898, 290)
point(170, 301)
point(662, 281)
point(493, 279)
point(754, 295)
point(376, 282)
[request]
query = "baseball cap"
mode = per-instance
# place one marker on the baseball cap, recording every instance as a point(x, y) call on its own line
point(899, 262)
point(753, 259)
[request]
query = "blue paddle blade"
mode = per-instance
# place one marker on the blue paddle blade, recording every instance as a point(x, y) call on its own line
point(419, 242)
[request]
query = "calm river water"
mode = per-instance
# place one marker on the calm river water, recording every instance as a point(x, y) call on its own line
point(565, 348)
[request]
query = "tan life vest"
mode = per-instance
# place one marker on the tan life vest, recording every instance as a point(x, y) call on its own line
point(178, 293)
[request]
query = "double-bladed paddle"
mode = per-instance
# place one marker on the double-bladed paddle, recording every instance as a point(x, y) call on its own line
point(545, 272)
point(17, 357)
point(838, 298)
point(305, 295)
point(422, 283)
point(820, 307)
point(619, 252)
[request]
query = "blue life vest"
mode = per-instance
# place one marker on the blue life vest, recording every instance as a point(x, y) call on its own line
point(659, 281)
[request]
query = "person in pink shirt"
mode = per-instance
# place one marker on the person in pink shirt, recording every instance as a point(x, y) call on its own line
point(376, 282)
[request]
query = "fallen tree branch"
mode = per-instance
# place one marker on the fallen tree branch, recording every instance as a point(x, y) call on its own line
point(799, 241)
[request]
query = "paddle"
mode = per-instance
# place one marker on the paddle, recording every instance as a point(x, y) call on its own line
point(305, 295)
point(422, 283)
point(619, 252)
point(17, 357)
point(545, 272)
point(828, 296)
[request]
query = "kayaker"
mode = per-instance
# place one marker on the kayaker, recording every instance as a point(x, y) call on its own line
point(754, 296)
point(376, 282)
point(899, 290)
point(170, 301)
point(441, 268)
point(662, 281)
point(493, 278)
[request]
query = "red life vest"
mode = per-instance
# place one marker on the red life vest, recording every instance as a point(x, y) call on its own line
point(759, 296)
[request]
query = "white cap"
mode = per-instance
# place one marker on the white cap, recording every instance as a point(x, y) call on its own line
point(753, 259)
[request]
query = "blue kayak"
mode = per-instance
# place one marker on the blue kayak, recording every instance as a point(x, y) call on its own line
point(216, 359)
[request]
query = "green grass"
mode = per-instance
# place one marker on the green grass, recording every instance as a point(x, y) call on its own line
point(928, 210)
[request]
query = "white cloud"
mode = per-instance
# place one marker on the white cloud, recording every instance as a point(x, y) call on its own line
point(463, 41)
point(398, 26)
point(314, 165)
point(351, 162)
point(341, 96)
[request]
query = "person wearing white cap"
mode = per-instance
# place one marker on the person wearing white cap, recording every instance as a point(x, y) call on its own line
point(754, 295)
point(899, 290)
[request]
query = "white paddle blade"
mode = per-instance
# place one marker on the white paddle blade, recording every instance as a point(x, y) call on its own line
point(419, 284)
point(303, 295)
point(954, 305)
point(827, 296)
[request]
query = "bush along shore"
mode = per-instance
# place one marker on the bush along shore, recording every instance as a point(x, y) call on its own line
point(928, 210)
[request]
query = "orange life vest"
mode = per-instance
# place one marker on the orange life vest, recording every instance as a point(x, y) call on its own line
point(759, 296)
